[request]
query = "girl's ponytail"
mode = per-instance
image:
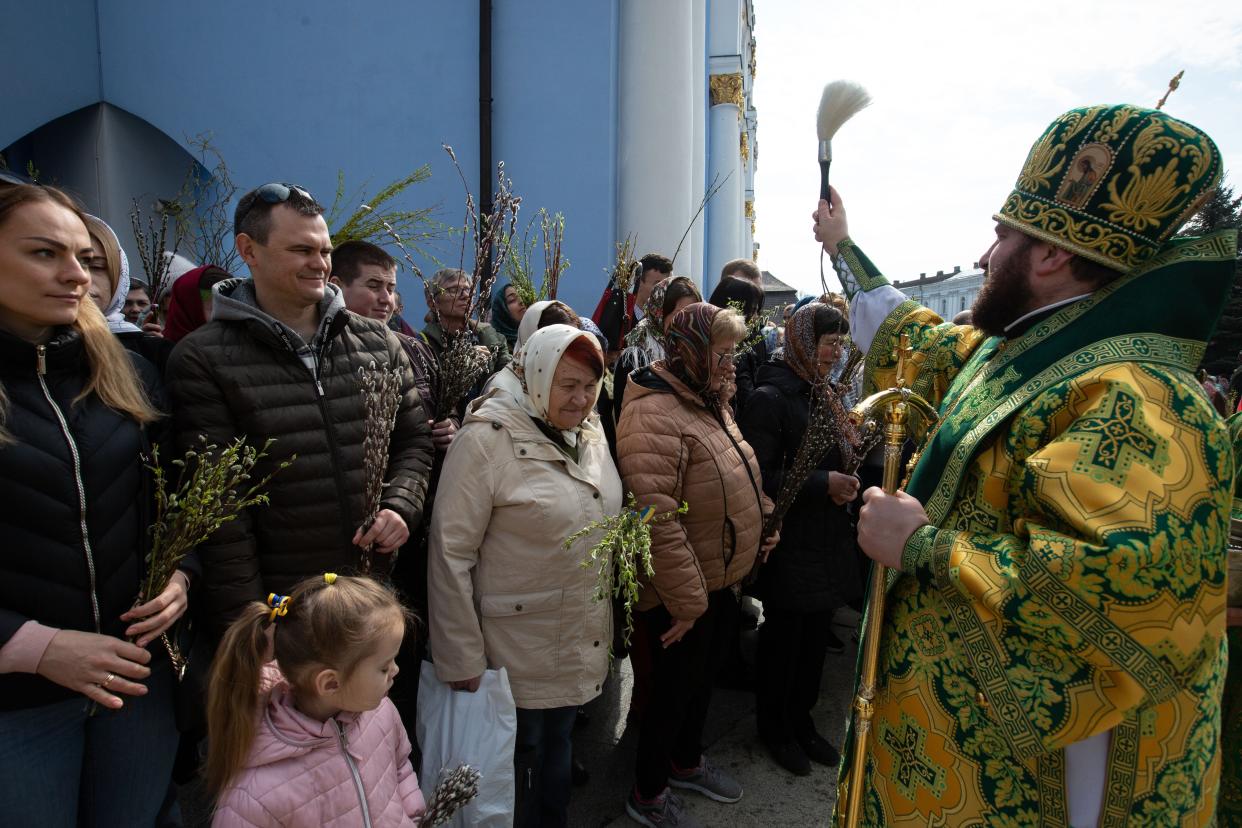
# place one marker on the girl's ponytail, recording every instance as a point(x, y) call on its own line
point(233, 694)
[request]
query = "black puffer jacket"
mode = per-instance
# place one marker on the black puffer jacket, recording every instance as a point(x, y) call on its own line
point(814, 567)
point(747, 369)
point(244, 373)
point(50, 570)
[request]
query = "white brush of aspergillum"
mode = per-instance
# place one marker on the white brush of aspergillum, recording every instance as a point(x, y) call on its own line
point(842, 100)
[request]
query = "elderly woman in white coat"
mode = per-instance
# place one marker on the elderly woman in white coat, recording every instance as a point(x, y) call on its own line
point(523, 474)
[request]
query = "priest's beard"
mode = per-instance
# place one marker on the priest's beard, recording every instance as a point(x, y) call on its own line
point(1005, 295)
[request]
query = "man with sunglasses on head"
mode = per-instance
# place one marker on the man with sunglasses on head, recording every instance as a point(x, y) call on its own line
point(279, 360)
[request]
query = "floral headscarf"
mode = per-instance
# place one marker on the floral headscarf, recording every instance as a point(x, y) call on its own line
point(645, 344)
point(688, 346)
point(538, 360)
point(802, 343)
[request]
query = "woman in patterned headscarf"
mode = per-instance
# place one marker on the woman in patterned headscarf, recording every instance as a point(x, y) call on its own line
point(645, 344)
point(677, 443)
point(524, 473)
point(813, 571)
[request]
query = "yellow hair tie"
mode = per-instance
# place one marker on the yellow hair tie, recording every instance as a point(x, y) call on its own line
point(329, 578)
point(279, 605)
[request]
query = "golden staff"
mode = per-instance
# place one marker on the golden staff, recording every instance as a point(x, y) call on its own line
point(894, 407)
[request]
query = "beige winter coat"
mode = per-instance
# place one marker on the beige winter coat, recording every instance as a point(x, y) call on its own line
point(503, 590)
point(673, 450)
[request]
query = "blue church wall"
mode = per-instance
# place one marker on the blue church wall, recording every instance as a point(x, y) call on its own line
point(297, 91)
point(50, 61)
point(555, 108)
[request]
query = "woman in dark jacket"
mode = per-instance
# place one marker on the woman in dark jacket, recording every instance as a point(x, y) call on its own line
point(810, 573)
point(87, 731)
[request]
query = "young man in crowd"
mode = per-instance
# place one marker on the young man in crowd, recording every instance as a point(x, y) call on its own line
point(279, 361)
point(137, 302)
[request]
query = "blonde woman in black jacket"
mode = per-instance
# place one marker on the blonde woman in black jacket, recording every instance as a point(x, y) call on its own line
point(87, 732)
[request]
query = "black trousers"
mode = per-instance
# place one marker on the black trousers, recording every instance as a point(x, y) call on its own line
point(543, 753)
point(671, 728)
point(792, 646)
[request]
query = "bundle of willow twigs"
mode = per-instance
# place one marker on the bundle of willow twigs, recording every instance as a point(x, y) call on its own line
point(828, 426)
point(554, 262)
point(212, 489)
point(454, 791)
point(622, 552)
point(381, 397)
point(156, 259)
point(520, 266)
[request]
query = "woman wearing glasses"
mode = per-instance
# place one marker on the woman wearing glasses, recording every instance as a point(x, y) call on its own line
point(812, 572)
point(678, 443)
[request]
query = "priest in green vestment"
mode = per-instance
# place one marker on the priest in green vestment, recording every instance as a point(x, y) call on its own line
point(1054, 648)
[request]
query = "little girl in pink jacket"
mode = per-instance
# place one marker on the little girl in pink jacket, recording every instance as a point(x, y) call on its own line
point(312, 740)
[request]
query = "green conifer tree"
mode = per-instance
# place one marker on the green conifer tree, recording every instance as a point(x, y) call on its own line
point(1222, 211)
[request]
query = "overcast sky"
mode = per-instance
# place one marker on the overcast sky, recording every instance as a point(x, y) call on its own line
point(961, 90)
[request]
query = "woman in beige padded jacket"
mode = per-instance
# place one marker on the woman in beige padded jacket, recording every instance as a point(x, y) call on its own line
point(524, 473)
point(677, 442)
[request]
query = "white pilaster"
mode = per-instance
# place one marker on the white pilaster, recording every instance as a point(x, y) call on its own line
point(698, 156)
point(655, 158)
point(725, 211)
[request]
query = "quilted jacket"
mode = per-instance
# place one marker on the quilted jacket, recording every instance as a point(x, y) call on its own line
point(246, 374)
point(348, 772)
point(672, 449)
point(71, 518)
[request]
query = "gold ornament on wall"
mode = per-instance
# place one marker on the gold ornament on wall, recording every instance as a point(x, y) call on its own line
point(727, 89)
point(744, 147)
point(750, 208)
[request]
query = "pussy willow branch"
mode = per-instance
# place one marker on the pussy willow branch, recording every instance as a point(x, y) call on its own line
point(828, 426)
point(454, 791)
point(381, 398)
point(156, 261)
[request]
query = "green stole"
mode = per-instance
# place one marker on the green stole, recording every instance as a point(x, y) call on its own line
point(1162, 314)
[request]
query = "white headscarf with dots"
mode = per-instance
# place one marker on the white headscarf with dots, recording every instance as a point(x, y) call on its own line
point(540, 355)
point(530, 322)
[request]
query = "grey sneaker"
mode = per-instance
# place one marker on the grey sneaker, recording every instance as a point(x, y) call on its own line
point(667, 810)
point(708, 780)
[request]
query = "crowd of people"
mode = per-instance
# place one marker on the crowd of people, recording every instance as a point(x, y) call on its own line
point(562, 424)
point(1055, 647)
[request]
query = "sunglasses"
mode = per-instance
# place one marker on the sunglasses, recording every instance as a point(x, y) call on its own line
point(275, 192)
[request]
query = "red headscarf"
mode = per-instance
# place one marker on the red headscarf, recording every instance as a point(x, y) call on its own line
point(185, 304)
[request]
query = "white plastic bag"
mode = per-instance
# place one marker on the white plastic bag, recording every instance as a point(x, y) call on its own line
point(478, 729)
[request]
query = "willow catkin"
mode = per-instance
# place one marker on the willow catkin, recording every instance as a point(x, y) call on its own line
point(381, 397)
point(454, 791)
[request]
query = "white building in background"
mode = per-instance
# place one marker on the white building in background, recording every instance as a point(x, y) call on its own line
point(946, 293)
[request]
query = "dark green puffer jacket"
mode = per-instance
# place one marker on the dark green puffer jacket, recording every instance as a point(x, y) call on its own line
point(246, 374)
